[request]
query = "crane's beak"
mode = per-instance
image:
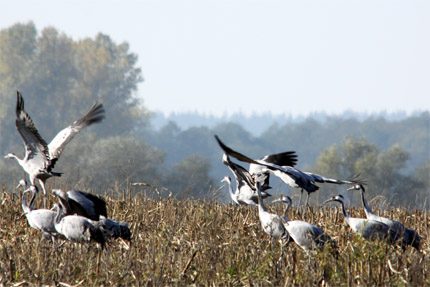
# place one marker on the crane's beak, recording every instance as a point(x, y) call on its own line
point(277, 200)
point(328, 200)
point(351, 188)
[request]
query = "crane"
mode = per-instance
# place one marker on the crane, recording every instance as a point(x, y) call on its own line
point(40, 219)
point(288, 174)
point(305, 235)
point(407, 236)
point(367, 228)
point(77, 228)
point(81, 203)
point(40, 158)
point(245, 193)
point(93, 208)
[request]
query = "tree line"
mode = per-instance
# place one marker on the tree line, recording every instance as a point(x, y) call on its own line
point(60, 78)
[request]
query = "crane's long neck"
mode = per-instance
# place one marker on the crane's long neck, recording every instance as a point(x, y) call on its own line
point(345, 214)
point(261, 207)
point(367, 208)
point(286, 211)
point(24, 205)
point(59, 214)
point(230, 189)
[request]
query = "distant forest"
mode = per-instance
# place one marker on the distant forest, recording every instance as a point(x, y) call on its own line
point(60, 78)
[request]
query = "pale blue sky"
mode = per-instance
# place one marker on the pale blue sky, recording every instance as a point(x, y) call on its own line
point(292, 57)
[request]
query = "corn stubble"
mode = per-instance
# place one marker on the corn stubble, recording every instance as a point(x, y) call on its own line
point(205, 243)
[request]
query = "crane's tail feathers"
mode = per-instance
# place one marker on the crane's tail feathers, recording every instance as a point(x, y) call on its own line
point(97, 235)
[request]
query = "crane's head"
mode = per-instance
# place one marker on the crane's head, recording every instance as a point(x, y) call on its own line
point(338, 198)
point(226, 179)
point(357, 186)
point(22, 183)
point(10, 155)
point(60, 193)
point(285, 199)
point(225, 159)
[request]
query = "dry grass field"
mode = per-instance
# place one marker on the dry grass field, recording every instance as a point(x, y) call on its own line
point(205, 243)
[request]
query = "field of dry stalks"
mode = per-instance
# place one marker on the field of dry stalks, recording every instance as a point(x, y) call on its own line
point(178, 243)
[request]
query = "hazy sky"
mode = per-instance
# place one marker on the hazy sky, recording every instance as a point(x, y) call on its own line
point(259, 55)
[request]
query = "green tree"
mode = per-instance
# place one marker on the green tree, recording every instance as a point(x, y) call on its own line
point(381, 170)
point(190, 177)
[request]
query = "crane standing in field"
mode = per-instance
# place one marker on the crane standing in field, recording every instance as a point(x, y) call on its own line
point(94, 209)
point(288, 174)
point(305, 235)
point(77, 228)
point(81, 203)
point(40, 219)
point(368, 228)
point(40, 158)
point(407, 236)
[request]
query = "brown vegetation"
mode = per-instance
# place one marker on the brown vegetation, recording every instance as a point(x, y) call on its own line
point(205, 243)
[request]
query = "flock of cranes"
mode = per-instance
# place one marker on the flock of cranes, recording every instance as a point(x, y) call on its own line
point(77, 216)
point(83, 217)
point(252, 186)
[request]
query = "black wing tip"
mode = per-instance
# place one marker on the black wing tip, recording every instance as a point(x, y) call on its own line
point(19, 103)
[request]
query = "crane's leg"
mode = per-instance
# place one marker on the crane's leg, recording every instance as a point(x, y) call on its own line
point(300, 202)
point(42, 184)
point(306, 205)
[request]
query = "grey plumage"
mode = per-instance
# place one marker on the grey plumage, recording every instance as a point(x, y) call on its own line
point(77, 228)
point(305, 235)
point(93, 208)
point(367, 228)
point(271, 223)
point(81, 203)
point(407, 236)
point(288, 174)
point(245, 193)
point(40, 219)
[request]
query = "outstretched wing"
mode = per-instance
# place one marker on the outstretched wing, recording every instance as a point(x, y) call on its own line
point(95, 115)
point(35, 146)
point(288, 158)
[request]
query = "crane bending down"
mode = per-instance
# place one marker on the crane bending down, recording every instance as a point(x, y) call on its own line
point(407, 236)
point(369, 229)
point(77, 228)
point(288, 174)
point(245, 193)
point(93, 208)
point(305, 235)
point(81, 203)
point(40, 158)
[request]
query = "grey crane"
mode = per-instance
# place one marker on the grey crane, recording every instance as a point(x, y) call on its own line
point(77, 228)
point(367, 228)
point(288, 174)
point(407, 236)
point(40, 158)
point(81, 203)
point(94, 208)
point(112, 228)
point(40, 219)
point(245, 193)
point(271, 223)
point(304, 234)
